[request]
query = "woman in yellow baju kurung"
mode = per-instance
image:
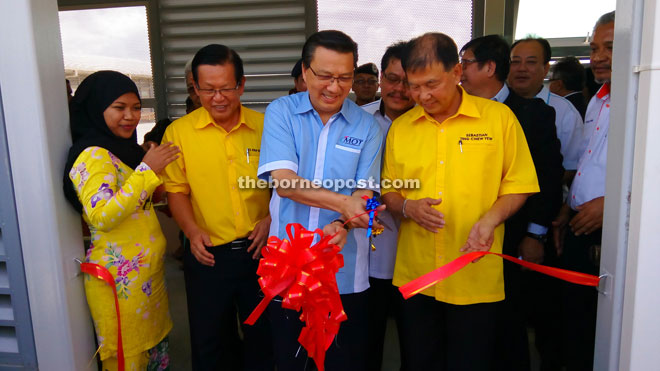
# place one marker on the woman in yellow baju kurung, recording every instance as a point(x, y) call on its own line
point(114, 198)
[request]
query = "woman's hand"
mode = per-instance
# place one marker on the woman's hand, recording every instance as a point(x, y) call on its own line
point(158, 157)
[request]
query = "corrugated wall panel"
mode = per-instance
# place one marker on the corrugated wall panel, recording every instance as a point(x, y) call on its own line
point(268, 35)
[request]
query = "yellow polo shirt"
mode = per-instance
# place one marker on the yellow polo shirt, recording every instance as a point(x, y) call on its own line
point(468, 160)
point(210, 163)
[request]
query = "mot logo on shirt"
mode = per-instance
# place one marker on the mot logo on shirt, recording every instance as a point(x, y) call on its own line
point(352, 141)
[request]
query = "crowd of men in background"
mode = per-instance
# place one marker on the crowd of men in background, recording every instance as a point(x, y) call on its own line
point(506, 164)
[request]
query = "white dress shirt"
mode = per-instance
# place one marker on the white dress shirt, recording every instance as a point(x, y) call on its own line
point(381, 260)
point(589, 181)
point(569, 126)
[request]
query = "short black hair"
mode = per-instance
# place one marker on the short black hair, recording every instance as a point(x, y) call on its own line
point(216, 55)
point(330, 39)
point(396, 51)
point(432, 47)
point(571, 72)
point(491, 48)
point(545, 45)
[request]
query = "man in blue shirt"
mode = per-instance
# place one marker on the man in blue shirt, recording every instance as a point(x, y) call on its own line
point(323, 154)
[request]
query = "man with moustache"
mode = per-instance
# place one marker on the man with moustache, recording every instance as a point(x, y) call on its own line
point(530, 63)
point(383, 296)
point(475, 171)
point(578, 226)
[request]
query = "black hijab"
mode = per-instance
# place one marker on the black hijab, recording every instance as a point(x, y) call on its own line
point(88, 128)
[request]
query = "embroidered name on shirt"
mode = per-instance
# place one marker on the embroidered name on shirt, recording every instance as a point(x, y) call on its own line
point(476, 137)
point(253, 150)
point(352, 141)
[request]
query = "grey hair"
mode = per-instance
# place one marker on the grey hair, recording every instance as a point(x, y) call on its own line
point(188, 68)
point(604, 19)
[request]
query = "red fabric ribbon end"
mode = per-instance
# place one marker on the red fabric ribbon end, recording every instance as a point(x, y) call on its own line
point(304, 276)
point(422, 283)
point(104, 274)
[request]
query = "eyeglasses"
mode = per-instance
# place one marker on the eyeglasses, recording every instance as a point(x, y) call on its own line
point(342, 80)
point(468, 61)
point(366, 82)
point(226, 92)
point(394, 79)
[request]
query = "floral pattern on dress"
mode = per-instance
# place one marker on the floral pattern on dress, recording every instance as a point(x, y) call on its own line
point(130, 245)
point(81, 169)
point(104, 193)
point(159, 356)
point(146, 287)
point(124, 266)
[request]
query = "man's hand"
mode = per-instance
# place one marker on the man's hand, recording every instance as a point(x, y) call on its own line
point(589, 217)
point(340, 238)
point(480, 238)
point(199, 241)
point(422, 212)
point(559, 228)
point(531, 250)
point(259, 236)
point(355, 205)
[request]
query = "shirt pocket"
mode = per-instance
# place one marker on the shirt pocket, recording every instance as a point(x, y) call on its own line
point(348, 149)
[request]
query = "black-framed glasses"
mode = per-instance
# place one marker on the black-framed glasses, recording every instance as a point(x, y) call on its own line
point(343, 80)
point(225, 92)
point(394, 79)
point(468, 61)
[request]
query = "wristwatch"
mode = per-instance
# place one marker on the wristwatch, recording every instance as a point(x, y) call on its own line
point(539, 237)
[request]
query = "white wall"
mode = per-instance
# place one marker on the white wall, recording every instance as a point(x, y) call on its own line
point(640, 341)
point(34, 100)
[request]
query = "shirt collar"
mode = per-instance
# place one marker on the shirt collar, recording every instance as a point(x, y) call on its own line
point(502, 94)
point(205, 119)
point(350, 113)
point(544, 94)
point(467, 108)
point(604, 91)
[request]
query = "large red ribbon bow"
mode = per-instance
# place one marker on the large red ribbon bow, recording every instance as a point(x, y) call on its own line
point(304, 276)
point(419, 284)
point(102, 273)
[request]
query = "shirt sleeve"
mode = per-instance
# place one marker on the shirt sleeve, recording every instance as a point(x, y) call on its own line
point(367, 175)
point(106, 205)
point(571, 137)
point(518, 171)
point(278, 147)
point(388, 173)
point(174, 174)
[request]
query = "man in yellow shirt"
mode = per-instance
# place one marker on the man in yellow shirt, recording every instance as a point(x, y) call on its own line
point(475, 170)
point(227, 226)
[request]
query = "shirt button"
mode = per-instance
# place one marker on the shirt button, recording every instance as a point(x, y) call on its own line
point(589, 151)
point(442, 130)
point(607, 105)
point(442, 162)
point(238, 212)
point(579, 174)
point(574, 197)
point(231, 161)
point(597, 128)
point(233, 187)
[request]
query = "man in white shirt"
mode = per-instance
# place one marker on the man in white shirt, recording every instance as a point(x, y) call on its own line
point(383, 296)
point(530, 63)
point(583, 211)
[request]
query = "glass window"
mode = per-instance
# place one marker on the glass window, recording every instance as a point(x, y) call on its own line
point(375, 25)
point(110, 39)
point(559, 18)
